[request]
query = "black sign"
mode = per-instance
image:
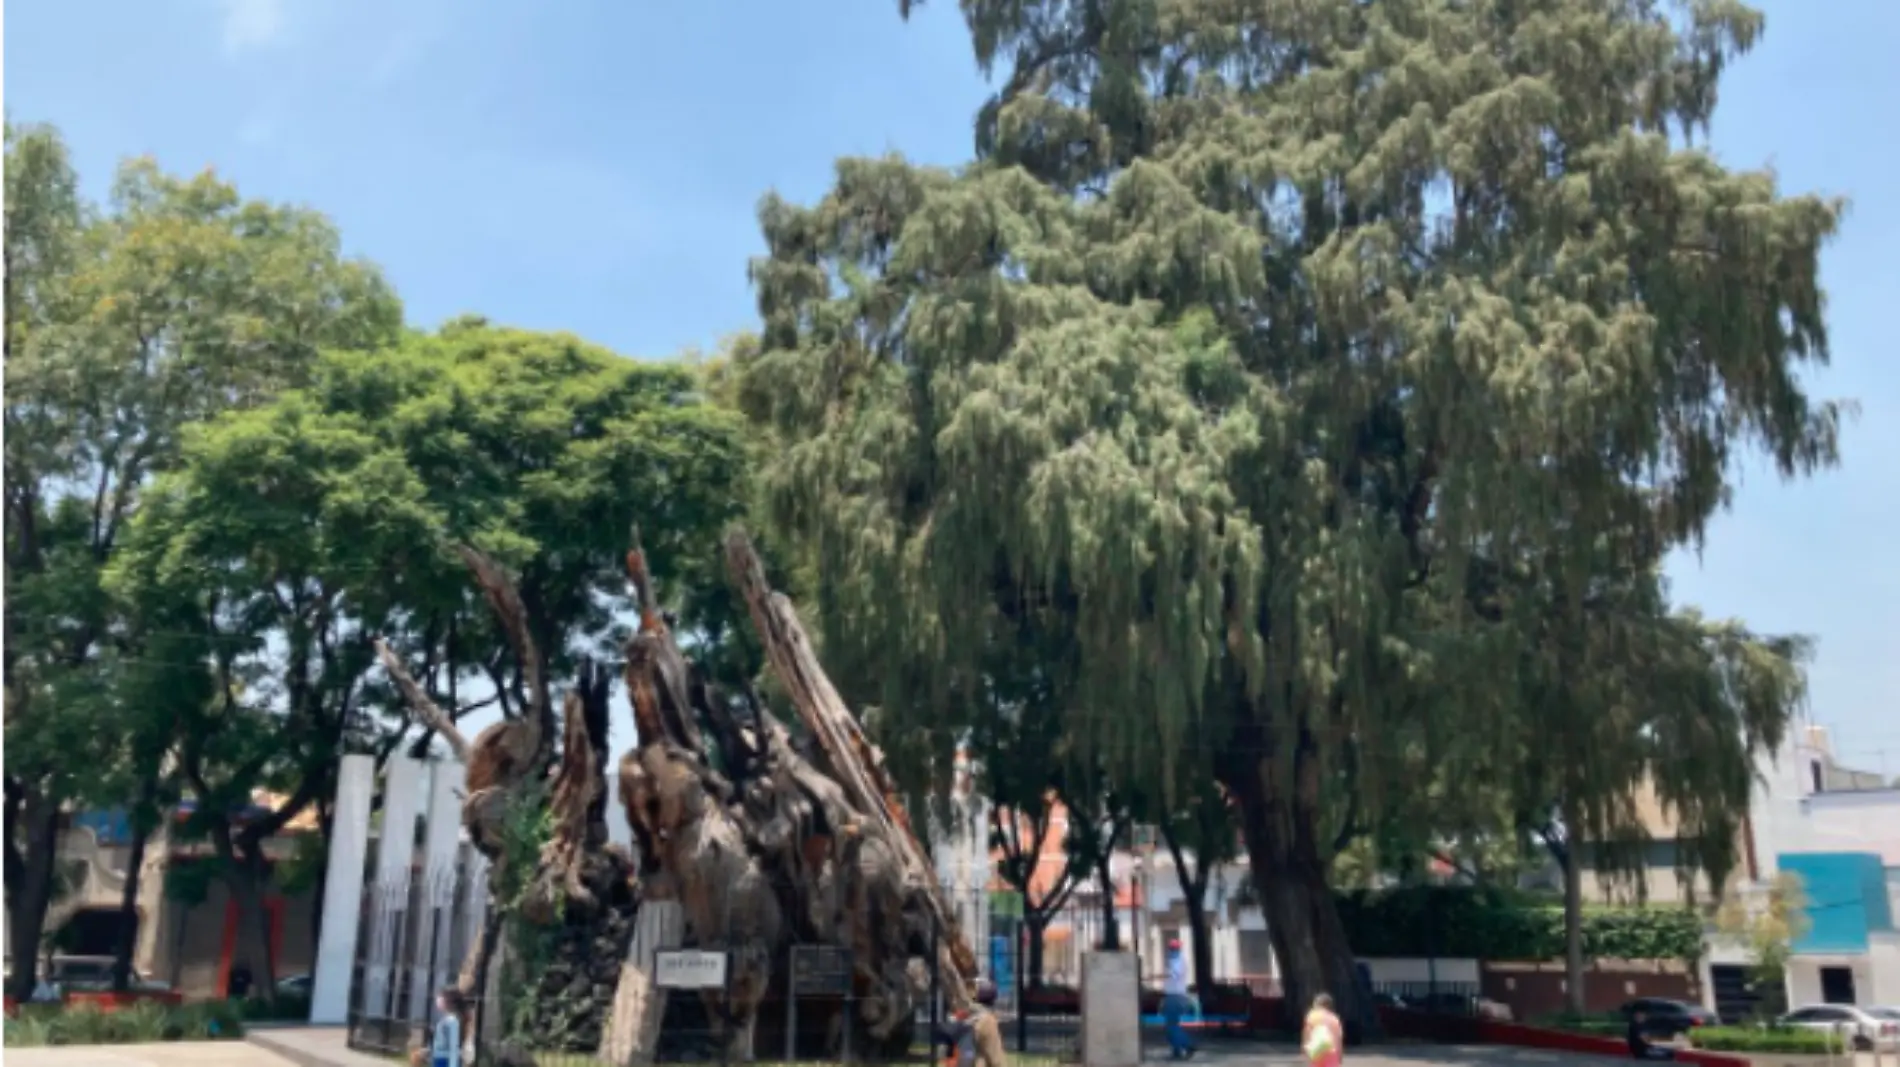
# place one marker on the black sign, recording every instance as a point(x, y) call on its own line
point(821, 971)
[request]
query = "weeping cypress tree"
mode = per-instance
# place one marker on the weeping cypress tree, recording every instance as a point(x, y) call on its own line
point(1321, 375)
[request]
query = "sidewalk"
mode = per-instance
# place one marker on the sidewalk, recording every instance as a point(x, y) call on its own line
point(312, 1046)
point(164, 1054)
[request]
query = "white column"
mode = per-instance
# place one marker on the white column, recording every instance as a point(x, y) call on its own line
point(442, 822)
point(342, 891)
point(395, 853)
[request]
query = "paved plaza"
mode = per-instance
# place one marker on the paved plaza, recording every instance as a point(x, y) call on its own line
point(325, 1048)
point(166, 1054)
point(1250, 1054)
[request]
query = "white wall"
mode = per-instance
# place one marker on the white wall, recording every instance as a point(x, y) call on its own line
point(1422, 970)
point(1866, 821)
point(1883, 964)
point(1789, 816)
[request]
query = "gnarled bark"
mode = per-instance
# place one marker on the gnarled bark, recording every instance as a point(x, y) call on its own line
point(763, 846)
point(767, 846)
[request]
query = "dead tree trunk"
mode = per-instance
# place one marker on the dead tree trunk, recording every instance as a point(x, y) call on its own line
point(763, 846)
point(580, 899)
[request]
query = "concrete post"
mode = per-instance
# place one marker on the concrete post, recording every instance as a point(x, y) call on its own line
point(343, 891)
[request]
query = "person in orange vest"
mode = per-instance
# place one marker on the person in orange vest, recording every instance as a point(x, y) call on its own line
point(1323, 1038)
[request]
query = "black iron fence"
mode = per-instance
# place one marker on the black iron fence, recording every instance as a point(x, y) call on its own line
point(411, 939)
point(1436, 998)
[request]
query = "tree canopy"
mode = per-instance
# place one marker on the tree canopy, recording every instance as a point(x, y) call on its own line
point(1330, 377)
point(126, 322)
point(289, 537)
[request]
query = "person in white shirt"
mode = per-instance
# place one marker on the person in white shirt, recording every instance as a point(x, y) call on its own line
point(1174, 1002)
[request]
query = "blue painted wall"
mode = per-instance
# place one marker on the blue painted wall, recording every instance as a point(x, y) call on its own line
point(1847, 898)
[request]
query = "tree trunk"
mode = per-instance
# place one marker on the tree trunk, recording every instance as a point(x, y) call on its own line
point(1111, 926)
point(245, 876)
point(1290, 874)
point(1573, 926)
point(178, 944)
point(26, 910)
point(1196, 898)
point(1037, 927)
point(127, 940)
point(1194, 894)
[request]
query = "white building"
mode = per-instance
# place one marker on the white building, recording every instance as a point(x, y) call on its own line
point(1840, 831)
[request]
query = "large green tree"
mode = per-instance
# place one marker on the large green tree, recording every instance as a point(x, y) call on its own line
point(1319, 369)
point(125, 322)
point(291, 536)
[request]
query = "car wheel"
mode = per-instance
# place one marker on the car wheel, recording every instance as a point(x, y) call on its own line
point(1863, 1043)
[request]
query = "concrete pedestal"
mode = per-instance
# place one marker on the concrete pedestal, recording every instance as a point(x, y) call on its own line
point(1111, 1009)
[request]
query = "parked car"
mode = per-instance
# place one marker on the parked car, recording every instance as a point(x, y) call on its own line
point(1863, 1029)
point(1451, 1002)
point(296, 985)
point(94, 974)
point(1669, 1019)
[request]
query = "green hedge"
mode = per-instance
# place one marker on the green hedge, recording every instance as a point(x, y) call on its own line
point(1478, 924)
point(286, 1008)
point(1764, 1039)
point(1597, 1025)
point(148, 1021)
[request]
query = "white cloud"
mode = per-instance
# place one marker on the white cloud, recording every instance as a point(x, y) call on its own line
point(253, 24)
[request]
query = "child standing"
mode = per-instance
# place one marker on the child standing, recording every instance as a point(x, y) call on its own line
point(445, 1047)
point(1322, 1036)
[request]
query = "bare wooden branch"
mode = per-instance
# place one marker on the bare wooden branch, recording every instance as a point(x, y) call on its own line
point(425, 710)
point(505, 600)
point(662, 695)
point(858, 765)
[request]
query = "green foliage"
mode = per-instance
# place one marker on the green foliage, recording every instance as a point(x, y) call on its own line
point(304, 868)
point(189, 884)
point(1496, 926)
point(129, 321)
point(1600, 1025)
point(281, 1008)
point(291, 535)
point(145, 1021)
point(1765, 1039)
point(1325, 383)
point(527, 826)
point(1769, 927)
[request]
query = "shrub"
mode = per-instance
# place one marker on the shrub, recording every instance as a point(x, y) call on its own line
point(1600, 1025)
point(286, 1008)
point(1494, 925)
point(1764, 1039)
point(147, 1021)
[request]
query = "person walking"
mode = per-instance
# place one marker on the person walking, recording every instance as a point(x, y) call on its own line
point(1323, 1038)
point(1174, 1002)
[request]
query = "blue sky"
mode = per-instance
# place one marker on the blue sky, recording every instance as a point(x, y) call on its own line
point(594, 165)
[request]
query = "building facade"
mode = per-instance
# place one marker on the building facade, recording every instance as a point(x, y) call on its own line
point(1838, 831)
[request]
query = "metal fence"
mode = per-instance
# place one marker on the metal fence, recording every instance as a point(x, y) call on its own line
point(1436, 998)
point(414, 933)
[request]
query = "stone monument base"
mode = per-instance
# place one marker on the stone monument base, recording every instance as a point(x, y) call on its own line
point(1111, 1009)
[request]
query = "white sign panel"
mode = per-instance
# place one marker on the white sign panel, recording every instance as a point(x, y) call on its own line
point(689, 970)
